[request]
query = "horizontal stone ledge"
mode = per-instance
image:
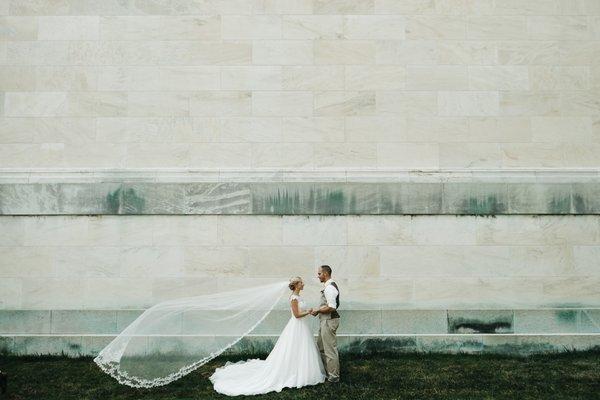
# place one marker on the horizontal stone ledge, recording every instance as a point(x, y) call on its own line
point(300, 198)
point(353, 322)
point(349, 344)
point(215, 175)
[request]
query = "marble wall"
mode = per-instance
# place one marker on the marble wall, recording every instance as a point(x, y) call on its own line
point(300, 84)
point(150, 109)
point(381, 262)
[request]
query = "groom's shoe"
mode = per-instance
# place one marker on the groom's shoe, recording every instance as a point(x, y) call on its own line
point(333, 380)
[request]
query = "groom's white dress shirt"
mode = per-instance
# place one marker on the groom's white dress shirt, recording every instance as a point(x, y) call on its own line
point(330, 293)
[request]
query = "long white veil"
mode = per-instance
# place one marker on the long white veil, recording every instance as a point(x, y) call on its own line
point(173, 338)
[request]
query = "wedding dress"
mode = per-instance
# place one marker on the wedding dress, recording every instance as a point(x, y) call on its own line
point(294, 362)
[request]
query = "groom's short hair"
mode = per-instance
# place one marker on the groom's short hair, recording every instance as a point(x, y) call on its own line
point(326, 268)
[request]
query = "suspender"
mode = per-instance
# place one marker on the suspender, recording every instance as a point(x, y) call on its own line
point(337, 298)
point(334, 313)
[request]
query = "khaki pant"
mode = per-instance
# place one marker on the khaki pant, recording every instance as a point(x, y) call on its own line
point(327, 343)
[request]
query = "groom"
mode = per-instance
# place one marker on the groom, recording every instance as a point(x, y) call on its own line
point(329, 322)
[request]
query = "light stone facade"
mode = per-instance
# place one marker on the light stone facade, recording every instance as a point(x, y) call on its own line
point(151, 149)
point(383, 262)
point(301, 84)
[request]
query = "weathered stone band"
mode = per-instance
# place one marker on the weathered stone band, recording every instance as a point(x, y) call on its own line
point(300, 198)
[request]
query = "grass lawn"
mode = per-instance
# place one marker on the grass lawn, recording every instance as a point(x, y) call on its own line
point(573, 375)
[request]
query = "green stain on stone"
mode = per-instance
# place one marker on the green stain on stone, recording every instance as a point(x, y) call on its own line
point(389, 202)
point(386, 205)
point(74, 346)
point(579, 204)
point(477, 206)
point(559, 206)
point(328, 201)
point(284, 202)
point(352, 206)
point(397, 207)
point(334, 202)
point(113, 201)
point(380, 345)
point(125, 202)
point(566, 315)
point(5, 344)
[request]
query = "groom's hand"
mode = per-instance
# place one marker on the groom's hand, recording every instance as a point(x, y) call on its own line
point(314, 313)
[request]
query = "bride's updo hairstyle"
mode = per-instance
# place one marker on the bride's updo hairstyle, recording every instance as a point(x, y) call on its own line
point(293, 282)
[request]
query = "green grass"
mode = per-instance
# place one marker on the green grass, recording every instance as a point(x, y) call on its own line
point(571, 375)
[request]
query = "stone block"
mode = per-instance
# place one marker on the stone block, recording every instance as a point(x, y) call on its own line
point(52, 345)
point(571, 291)
point(546, 321)
point(283, 198)
point(376, 293)
point(314, 230)
point(312, 26)
point(475, 198)
point(586, 260)
point(92, 345)
point(589, 321)
point(220, 103)
point(445, 260)
point(532, 198)
point(26, 261)
point(443, 230)
point(281, 261)
point(211, 261)
point(11, 293)
point(78, 198)
point(216, 198)
point(471, 344)
point(115, 293)
point(142, 198)
point(377, 344)
point(372, 230)
point(586, 198)
point(12, 230)
point(349, 261)
point(51, 293)
point(410, 198)
point(282, 52)
point(25, 321)
point(347, 52)
point(501, 344)
point(250, 230)
point(126, 317)
point(23, 199)
point(414, 322)
point(84, 321)
point(360, 322)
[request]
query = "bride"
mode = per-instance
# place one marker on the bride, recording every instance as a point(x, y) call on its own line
point(294, 361)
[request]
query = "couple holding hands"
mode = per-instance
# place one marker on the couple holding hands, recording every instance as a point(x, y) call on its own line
point(295, 360)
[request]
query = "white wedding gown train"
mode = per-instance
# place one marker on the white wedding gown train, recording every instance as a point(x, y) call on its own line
point(294, 362)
